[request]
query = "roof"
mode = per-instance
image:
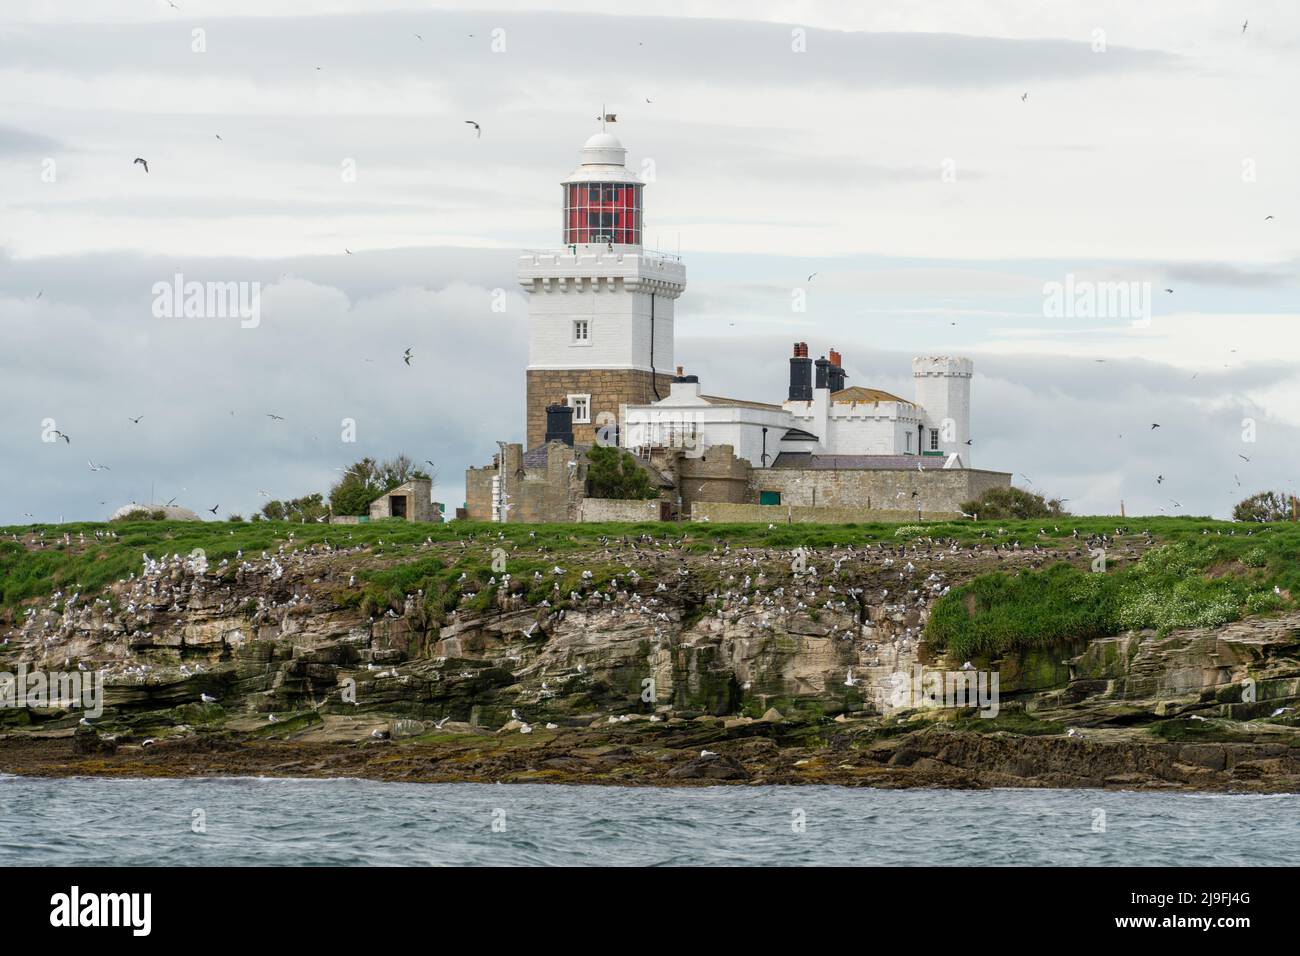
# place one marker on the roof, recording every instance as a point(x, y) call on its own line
point(798, 434)
point(536, 457)
point(800, 459)
point(866, 396)
point(740, 403)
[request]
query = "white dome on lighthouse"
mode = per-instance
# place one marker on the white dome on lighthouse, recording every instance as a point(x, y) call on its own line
point(602, 140)
point(604, 160)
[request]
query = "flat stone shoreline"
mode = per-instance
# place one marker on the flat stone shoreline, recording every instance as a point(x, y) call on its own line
point(690, 753)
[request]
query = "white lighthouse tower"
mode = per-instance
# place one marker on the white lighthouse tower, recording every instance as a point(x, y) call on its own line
point(600, 308)
point(943, 391)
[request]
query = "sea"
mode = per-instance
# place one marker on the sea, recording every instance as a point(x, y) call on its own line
point(285, 822)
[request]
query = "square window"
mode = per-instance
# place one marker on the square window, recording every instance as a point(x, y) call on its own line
point(581, 331)
point(581, 405)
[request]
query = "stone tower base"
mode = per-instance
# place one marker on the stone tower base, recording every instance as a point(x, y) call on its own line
point(609, 390)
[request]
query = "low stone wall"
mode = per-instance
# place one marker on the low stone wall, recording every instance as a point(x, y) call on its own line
point(718, 511)
point(938, 489)
point(617, 509)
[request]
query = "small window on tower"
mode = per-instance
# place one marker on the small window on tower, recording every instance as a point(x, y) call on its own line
point(581, 405)
point(581, 331)
point(934, 439)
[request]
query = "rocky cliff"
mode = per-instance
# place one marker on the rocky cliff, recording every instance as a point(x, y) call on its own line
point(636, 660)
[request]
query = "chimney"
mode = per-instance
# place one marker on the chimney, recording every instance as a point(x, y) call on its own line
point(684, 385)
point(823, 373)
point(800, 374)
point(836, 372)
point(559, 424)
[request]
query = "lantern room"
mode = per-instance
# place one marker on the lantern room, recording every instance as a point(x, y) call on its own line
point(602, 200)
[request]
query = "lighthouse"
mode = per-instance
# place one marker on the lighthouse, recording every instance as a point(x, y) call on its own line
point(600, 307)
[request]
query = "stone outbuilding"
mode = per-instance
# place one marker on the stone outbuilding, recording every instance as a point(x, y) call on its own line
point(412, 501)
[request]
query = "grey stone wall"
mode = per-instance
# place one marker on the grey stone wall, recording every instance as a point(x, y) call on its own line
point(937, 490)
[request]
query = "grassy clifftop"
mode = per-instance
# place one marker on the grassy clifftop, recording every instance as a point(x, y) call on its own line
point(1199, 581)
point(1205, 572)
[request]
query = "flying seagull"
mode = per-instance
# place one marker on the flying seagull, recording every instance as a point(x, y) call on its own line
point(1245, 23)
point(1023, 97)
point(95, 467)
point(218, 135)
point(39, 294)
point(478, 130)
point(1155, 424)
point(277, 418)
point(63, 436)
point(1267, 218)
point(810, 278)
point(136, 420)
point(142, 162)
point(214, 508)
point(1169, 290)
point(406, 356)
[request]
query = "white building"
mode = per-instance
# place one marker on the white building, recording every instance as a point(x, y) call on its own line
point(600, 307)
point(819, 419)
point(601, 340)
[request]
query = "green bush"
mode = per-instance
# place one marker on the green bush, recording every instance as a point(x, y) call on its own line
point(614, 473)
point(999, 504)
point(1264, 506)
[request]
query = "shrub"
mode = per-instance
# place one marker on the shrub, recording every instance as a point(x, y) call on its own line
point(1000, 504)
point(614, 473)
point(1264, 506)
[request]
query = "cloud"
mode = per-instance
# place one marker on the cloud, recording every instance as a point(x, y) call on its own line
point(17, 142)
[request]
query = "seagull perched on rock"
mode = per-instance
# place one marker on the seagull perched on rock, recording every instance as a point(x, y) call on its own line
point(207, 698)
point(707, 753)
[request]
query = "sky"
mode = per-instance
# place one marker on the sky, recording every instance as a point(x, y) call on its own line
point(937, 168)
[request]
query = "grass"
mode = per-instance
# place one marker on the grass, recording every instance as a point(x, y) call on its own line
point(1193, 581)
point(1208, 572)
